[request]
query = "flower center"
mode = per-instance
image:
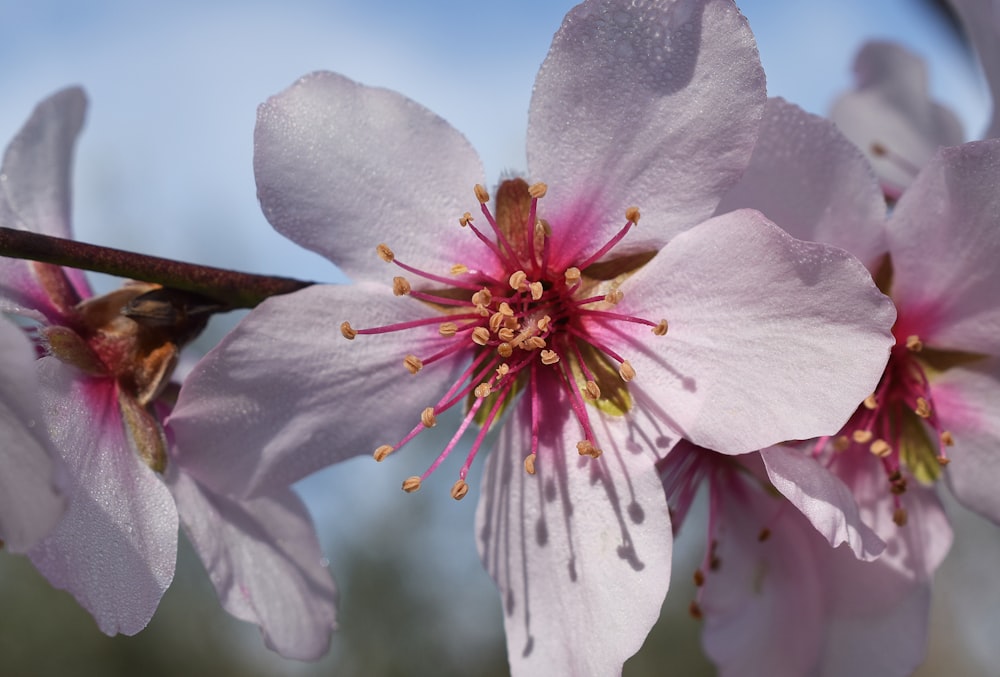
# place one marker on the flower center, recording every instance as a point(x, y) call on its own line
point(893, 423)
point(523, 325)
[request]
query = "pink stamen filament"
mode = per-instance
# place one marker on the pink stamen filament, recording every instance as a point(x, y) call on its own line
point(595, 257)
point(464, 471)
point(469, 416)
point(450, 281)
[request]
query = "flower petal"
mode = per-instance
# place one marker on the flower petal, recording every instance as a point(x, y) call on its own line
point(116, 547)
point(649, 104)
point(981, 20)
point(809, 179)
point(968, 401)
point(944, 236)
point(284, 394)
point(342, 167)
point(35, 195)
point(30, 505)
point(822, 498)
point(580, 551)
point(891, 107)
point(770, 338)
point(265, 563)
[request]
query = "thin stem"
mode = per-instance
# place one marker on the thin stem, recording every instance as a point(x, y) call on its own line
point(236, 290)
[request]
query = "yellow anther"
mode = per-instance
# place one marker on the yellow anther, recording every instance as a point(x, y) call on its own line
point(661, 328)
point(632, 214)
point(626, 371)
point(516, 279)
point(899, 517)
point(496, 322)
point(549, 357)
point(511, 322)
point(694, 610)
point(545, 228)
point(923, 409)
point(878, 150)
point(586, 448)
point(870, 402)
point(347, 331)
point(482, 297)
point(448, 329)
point(591, 391)
point(880, 448)
point(537, 190)
point(946, 439)
point(505, 334)
point(481, 336)
point(862, 436)
point(502, 370)
point(914, 344)
point(943, 460)
point(413, 363)
point(482, 311)
point(465, 220)
point(411, 484)
point(529, 464)
point(382, 452)
point(536, 290)
point(764, 534)
point(459, 489)
point(459, 269)
point(483, 390)
point(543, 324)
point(385, 253)
point(572, 275)
point(534, 343)
point(481, 194)
point(505, 350)
point(428, 418)
point(614, 297)
point(400, 287)
point(699, 577)
point(841, 443)
point(505, 309)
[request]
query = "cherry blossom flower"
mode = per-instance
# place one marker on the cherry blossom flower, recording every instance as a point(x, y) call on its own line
point(591, 340)
point(775, 598)
point(30, 504)
point(100, 374)
point(891, 117)
point(981, 21)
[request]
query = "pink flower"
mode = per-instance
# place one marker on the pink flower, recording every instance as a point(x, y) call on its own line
point(30, 504)
point(775, 598)
point(891, 117)
point(591, 340)
point(981, 20)
point(100, 375)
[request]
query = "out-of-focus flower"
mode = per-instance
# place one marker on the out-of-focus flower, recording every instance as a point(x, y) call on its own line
point(550, 311)
point(30, 504)
point(891, 117)
point(981, 20)
point(100, 373)
point(776, 600)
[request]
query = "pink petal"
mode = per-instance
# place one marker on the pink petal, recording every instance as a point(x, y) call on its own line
point(981, 20)
point(770, 338)
point(265, 563)
point(809, 179)
point(284, 394)
point(115, 549)
point(764, 605)
point(30, 505)
point(35, 195)
point(654, 105)
point(891, 107)
point(822, 498)
point(342, 167)
point(944, 236)
point(580, 551)
point(968, 405)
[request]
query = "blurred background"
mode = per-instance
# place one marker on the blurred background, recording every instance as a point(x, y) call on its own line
point(164, 168)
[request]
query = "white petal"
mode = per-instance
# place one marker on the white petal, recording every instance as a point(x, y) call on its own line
point(580, 551)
